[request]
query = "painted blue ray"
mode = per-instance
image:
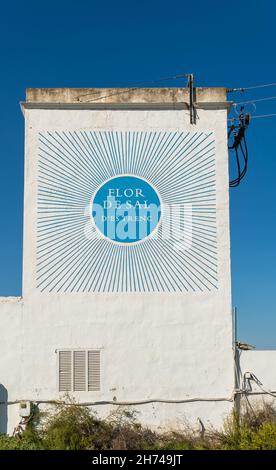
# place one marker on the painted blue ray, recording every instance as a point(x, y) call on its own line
point(73, 164)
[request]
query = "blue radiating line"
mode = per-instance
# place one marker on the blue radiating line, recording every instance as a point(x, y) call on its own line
point(178, 170)
point(111, 152)
point(168, 267)
point(82, 158)
point(67, 176)
point(148, 266)
point(173, 264)
point(74, 188)
point(97, 163)
point(62, 158)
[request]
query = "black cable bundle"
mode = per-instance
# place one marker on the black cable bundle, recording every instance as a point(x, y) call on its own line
point(239, 147)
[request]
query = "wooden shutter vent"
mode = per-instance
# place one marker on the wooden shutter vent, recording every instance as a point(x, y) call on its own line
point(79, 371)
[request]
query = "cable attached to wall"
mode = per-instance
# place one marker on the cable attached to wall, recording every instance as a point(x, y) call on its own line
point(238, 146)
point(247, 378)
point(131, 88)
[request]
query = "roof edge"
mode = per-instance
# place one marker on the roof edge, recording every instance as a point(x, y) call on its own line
point(123, 95)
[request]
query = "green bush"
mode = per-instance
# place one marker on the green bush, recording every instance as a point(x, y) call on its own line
point(26, 442)
point(73, 427)
point(254, 429)
point(263, 438)
point(70, 428)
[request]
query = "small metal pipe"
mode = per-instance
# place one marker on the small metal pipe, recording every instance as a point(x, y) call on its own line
point(237, 395)
point(234, 326)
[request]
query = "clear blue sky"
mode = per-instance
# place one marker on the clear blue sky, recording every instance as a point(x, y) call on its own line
point(108, 44)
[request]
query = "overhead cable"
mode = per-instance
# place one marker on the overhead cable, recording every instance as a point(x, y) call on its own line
point(131, 88)
point(239, 146)
point(269, 98)
point(263, 116)
point(254, 87)
point(253, 117)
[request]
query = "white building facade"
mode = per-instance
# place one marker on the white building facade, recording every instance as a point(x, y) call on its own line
point(126, 265)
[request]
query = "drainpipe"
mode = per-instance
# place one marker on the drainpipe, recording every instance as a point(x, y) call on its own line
point(236, 355)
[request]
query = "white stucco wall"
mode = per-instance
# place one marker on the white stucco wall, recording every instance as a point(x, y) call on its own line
point(263, 365)
point(11, 312)
point(169, 346)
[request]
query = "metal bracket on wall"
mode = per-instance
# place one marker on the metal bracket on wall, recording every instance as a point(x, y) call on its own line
point(192, 98)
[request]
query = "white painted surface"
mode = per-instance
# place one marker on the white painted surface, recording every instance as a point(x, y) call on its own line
point(11, 312)
point(263, 365)
point(165, 346)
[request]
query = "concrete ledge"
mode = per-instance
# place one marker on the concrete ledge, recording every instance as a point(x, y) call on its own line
point(10, 299)
point(122, 106)
point(123, 95)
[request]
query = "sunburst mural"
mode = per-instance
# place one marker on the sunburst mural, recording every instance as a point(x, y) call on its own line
point(177, 255)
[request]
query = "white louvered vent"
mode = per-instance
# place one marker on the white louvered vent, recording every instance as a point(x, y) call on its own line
point(79, 379)
point(94, 371)
point(65, 371)
point(79, 370)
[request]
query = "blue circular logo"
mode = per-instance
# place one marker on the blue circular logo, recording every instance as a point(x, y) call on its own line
point(126, 209)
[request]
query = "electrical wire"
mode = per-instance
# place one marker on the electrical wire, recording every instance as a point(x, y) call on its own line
point(253, 117)
point(263, 116)
point(239, 146)
point(173, 77)
point(131, 88)
point(254, 87)
point(247, 376)
point(234, 183)
point(123, 403)
point(269, 98)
